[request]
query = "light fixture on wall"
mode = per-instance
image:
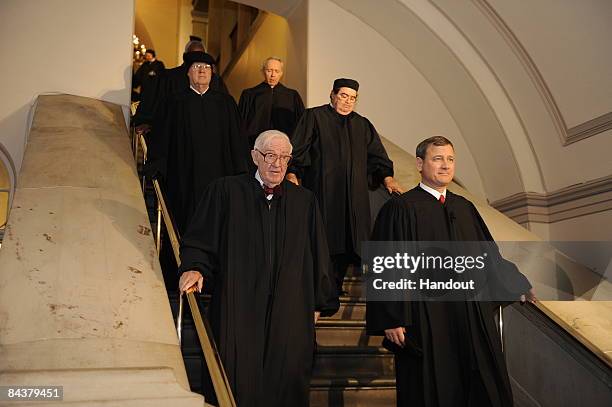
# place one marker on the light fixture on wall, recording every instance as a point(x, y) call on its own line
point(139, 51)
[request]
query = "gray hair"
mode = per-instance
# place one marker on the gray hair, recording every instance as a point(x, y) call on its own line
point(195, 45)
point(265, 62)
point(265, 137)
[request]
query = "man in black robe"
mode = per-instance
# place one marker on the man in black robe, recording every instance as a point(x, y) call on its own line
point(146, 75)
point(336, 153)
point(259, 242)
point(270, 105)
point(446, 353)
point(168, 83)
point(197, 140)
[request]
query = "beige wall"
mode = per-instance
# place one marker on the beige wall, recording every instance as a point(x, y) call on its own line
point(270, 40)
point(297, 50)
point(185, 28)
point(65, 46)
point(157, 26)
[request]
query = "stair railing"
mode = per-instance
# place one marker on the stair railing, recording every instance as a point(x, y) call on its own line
point(214, 364)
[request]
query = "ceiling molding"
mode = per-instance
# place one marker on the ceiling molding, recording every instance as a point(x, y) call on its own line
point(566, 203)
point(566, 135)
point(589, 128)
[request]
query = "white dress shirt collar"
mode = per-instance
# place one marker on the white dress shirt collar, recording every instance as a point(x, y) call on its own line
point(432, 191)
point(197, 91)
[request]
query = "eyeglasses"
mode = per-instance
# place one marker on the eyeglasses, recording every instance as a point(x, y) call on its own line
point(198, 67)
point(271, 158)
point(347, 98)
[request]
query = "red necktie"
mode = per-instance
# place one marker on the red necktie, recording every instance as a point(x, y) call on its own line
point(441, 199)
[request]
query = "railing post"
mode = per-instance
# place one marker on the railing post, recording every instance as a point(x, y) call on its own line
point(501, 326)
point(158, 234)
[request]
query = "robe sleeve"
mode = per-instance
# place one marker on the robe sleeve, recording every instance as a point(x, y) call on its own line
point(326, 295)
point(158, 141)
point(243, 105)
point(302, 139)
point(507, 281)
point(379, 165)
point(150, 100)
point(137, 77)
point(201, 243)
point(239, 151)
point(298, 106)
point(395, 222)
point(218, 84)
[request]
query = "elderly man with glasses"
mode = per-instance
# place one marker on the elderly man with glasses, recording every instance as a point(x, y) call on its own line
point(257, 243)
point(337, 152)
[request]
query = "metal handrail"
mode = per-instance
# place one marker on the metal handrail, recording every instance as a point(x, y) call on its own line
point(214, 364)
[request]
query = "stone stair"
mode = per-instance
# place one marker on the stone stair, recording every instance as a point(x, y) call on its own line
point(351, 368)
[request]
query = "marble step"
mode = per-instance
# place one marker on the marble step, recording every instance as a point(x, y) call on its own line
point(364, 392)
point(353, 362)
point(344, 333)
point(349, 310)
point(354, 286)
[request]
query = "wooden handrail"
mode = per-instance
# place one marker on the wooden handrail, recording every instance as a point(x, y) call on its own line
point(214, 364)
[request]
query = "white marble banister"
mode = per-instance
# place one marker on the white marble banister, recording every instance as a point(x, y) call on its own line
point(82, 298)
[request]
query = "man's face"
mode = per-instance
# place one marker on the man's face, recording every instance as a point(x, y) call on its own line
point(438, 167)
point(344, 101)
point(273, 72)
point(273, 173)
point(149, 57)
point(199, 74)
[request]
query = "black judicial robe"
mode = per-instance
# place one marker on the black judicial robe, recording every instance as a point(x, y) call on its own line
point(269, 267)
point(453, 354)
point(147, 73)
point(163, 87)
point(269, 108)
point(198, 140)
point(336, 156)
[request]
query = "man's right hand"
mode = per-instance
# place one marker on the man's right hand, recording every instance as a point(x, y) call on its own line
point(292, 178)
point(142, 129)
point(396, 335)
point(190, 279)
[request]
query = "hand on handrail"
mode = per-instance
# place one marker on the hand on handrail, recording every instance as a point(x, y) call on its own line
point(529, 297)
point(191, 281)
point(142, 129)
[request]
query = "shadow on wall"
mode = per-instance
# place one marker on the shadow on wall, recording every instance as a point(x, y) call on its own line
point(116, 96)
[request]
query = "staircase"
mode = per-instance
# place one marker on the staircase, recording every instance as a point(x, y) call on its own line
point(351, 368)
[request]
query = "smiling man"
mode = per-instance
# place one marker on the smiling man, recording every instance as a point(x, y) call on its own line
point(258, 244)
point(446, 353)
point(270, 105)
